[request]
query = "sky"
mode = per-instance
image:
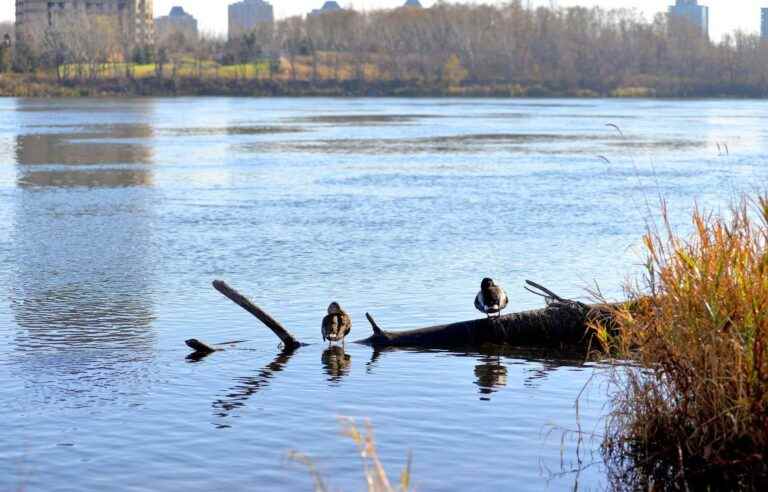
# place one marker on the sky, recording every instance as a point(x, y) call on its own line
point(725, 15)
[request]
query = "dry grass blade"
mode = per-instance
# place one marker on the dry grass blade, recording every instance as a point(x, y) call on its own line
point(375, 475)
point(305, 460)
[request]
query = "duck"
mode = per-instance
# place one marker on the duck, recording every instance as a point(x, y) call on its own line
point(336, 325)
point(491, 299)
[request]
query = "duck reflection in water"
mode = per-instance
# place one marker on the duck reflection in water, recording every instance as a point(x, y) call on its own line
point(336, 362)
point(491, 376)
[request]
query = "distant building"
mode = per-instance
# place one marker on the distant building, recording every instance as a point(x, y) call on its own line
point(177, 21)
point(246, 15)
point(692, 12)
point(327, 7)
point(134, 18)
point(764, 23)
point(413, 4)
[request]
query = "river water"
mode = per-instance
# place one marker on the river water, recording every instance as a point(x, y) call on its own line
point(116, 215)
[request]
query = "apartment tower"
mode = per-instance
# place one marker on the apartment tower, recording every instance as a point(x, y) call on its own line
point(245, 15)
point(693, 13)
point(764, 23)
point(134, 17)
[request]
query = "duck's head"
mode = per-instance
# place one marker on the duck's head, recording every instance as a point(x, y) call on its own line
point(334, 308)
point(487, 283)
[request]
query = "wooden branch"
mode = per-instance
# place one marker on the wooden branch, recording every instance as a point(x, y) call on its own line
point(546, 292)
point(376, 329)
point(289, 341)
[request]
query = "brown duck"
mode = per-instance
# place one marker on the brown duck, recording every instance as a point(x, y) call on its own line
point(336, 325)
point(491, 299)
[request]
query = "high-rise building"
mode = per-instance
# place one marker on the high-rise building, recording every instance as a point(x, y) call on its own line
point(176, 22)
point(245, 15)
point(693, 13)
point(764, 23)
point(134, 18)
point(328, 7)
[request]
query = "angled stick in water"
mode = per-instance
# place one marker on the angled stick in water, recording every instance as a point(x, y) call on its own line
point(289, 341)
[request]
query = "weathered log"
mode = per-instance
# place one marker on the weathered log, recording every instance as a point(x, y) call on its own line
point(562, 324)
point(289, 341)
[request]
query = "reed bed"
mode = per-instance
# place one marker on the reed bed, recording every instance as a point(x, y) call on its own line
point(690, 410)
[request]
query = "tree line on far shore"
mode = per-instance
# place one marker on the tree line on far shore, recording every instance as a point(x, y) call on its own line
point(561, 50)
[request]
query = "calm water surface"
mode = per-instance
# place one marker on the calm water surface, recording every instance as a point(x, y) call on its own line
point(116, 216)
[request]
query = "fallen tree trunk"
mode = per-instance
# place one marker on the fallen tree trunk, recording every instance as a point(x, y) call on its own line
point(562, 324)
point(554, 326)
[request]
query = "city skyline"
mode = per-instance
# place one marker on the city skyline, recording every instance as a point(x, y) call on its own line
point(725, 15)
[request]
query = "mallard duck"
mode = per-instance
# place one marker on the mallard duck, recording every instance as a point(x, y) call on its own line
point(337, 324)
point(491, 299)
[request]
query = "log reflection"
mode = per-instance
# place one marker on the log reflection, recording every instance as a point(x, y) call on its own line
point(238, 395)
point(336, 362)
point(539, 375)
point(371, 364)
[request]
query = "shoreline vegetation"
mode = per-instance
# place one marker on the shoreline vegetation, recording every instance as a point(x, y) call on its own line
point(42, 86)
point(691, 410)
point(507, 50)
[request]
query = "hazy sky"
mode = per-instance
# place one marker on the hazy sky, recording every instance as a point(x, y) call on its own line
point(725, 15)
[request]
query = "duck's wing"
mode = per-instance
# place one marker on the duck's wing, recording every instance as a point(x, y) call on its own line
point(479, 302)
point(504, 299)
point(329, 326)
point(346, 324)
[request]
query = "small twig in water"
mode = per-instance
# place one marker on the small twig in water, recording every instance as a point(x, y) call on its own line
point(616, 127)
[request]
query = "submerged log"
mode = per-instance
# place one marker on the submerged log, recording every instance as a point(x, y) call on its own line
point(289, 341)
point(200, 348)
point(549, 327)
point(562, 324)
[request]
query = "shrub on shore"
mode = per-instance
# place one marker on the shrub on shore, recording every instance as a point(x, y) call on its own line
point(691, 411)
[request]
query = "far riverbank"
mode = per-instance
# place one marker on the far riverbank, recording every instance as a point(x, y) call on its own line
point(21, 85)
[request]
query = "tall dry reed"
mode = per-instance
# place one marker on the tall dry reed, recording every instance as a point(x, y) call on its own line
point(691, 408)
point(376, 478)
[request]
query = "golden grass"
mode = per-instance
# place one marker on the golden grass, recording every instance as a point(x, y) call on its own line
point(329, 67)
point(694, 408)
point(375, 475)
